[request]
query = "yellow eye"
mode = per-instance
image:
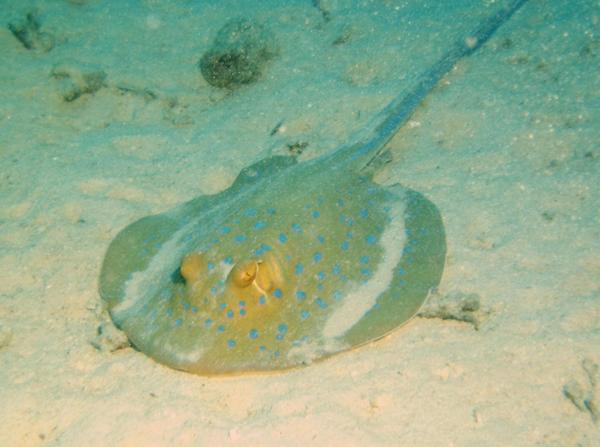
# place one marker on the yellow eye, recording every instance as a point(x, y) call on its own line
point(269, 274)
point(193, 265)
point(243, 273)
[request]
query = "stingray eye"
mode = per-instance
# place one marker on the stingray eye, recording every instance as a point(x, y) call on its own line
point(269, 275)
point(243, 273)
point(263, 277)
point(193, 265)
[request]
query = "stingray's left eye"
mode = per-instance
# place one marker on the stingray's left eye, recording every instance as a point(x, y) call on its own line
point(243, 273)
point(193, 266)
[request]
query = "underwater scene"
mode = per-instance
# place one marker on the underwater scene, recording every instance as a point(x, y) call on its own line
point(303, 222)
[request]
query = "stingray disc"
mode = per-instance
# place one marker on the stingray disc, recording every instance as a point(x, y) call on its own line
point(289, 265)
point(293, 262)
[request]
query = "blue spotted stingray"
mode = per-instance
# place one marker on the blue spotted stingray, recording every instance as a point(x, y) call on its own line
point(292, 263)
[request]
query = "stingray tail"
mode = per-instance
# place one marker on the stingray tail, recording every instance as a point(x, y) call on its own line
point(398, 111)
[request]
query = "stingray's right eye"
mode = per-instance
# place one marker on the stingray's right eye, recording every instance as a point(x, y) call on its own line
point(193, 266)
point(269, 275)
point(243, 273)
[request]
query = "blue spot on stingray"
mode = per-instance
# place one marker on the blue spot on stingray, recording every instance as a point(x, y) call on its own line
point(240, 238)
point(340, 203)
point(229, 314)
point(260, 225)
point(262, 249)
point(337, 269)
point(262, 348)
point(364, 213)
point(371, 239)
point(178, 322)
point(228, 260)
point(208, 323)
point(277, 293)
point(316, 214)
point(226, 230)
point(304, 315)
point(221, 328)
point(282, 238)
point(194, 309)
point(262, 299)
point(231, 343)
point(213, 290)
point(253, 334)
point(250, 212)
point(211, 266)
point(345, 245)
point(242, 303)
point(271, 211)
point(321, 275)
point(170, 312)
point(318, 256)
point(320, 286)
point(401, 271)
point(222, 306)
point(321, 239)
point(364, 259)
point(338, 295)
point(242, 312)
point(301, 294)
point(299, 269)
point(282, 328)
point(365, 271)
point(186, 306)
point(296, 228)
point(322, 304)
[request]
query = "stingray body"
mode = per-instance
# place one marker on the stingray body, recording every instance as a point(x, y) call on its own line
point(292, 263)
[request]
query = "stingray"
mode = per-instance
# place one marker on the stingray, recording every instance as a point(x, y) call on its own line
point(293, 262)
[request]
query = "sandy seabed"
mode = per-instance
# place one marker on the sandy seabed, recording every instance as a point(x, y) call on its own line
point(507, 146)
